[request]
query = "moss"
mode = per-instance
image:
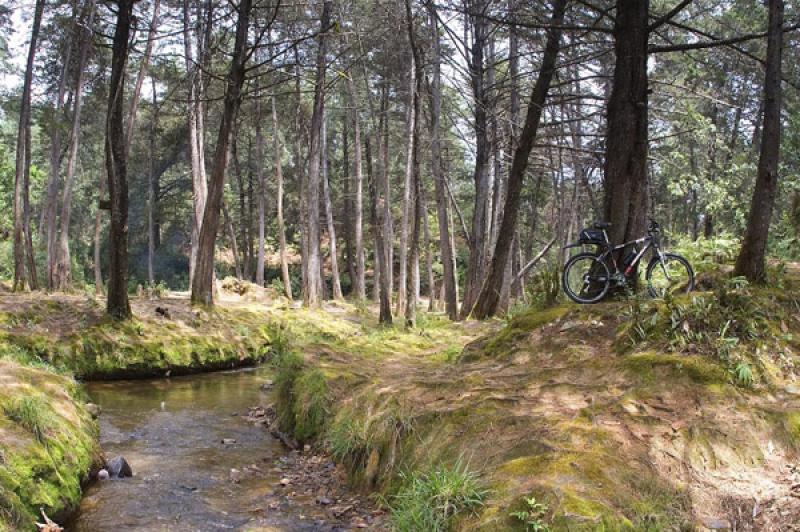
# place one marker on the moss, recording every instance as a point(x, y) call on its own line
point(506, 341)
point(697, 368)
point(48, 444)
point(792, 424)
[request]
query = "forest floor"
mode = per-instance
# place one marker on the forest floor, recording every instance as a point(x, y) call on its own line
point(608, 415)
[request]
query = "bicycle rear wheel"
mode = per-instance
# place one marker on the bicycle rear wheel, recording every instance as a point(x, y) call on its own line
point(586, 279)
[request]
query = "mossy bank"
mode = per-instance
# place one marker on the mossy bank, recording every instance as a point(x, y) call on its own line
point(560, 420)
point(48, 442)
point(165, 337)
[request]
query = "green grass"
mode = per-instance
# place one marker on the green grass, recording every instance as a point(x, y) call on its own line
point(32, 413)
point(310, 406)
point(432, 500)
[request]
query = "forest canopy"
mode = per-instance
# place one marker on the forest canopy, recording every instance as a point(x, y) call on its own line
point(394, 150)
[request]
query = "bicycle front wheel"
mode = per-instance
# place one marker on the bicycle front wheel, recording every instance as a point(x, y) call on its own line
point(673, 275)
point(586, 279)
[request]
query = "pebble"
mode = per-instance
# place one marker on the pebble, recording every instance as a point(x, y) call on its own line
point(228, 441)
point(285, 481)
point(102, 475)
point(716, 524)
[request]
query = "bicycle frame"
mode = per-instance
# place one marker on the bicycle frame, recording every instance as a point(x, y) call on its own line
point(647, 242)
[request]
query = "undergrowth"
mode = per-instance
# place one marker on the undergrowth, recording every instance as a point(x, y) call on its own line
point(734, 325)
point(431, 500)
point(32, 413)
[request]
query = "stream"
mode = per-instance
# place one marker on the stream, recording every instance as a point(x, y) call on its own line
point(171, 431)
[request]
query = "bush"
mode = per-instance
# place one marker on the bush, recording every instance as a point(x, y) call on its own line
point(532, 516)
point(431, 500)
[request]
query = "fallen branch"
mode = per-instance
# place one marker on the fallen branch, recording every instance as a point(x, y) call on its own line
point(534, 260)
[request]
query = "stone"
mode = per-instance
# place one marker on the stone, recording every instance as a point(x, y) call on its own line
point(793, 389)
point(285, 481)
point(118, 467)
point(567, 325)
point(325, 501)
point(94, 410)
point(716, 524)
point(102, 475)
point(228, 441)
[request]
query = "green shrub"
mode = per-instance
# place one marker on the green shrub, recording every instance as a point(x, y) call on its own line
point(288, 367)
point(431, 500)
point(279, 338)
point(707, 254)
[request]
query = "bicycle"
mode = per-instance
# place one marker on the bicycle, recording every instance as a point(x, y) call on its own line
point(588, 277)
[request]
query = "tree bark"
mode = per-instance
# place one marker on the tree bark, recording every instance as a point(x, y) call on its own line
point(196, 155)
point(22, 255)
point(313, 289)
point(62, 272)
point(278, 168)
point(203, 281)
point(262, 191)
point(50, 212)
point(626, 196)
point(481, 215)
point(751, 262)
point(358, 225)
point(490, 293)
point(117, 305)
point(408, 181)
point(326, 194)
point(447, 250)
point(151, 192)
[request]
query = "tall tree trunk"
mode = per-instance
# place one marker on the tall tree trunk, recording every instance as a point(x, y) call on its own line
point(312, 294)
point(278, 168)
point(196, 155)
point(23, 160)
point(358, 226)
point(751, 262)
point(300, 173)
point(117, 305)
point(151, 192)
point(490, 293)
point(49, 213)
point(408, 181)
point(262, 191)
point(440, 187)
point(383, 284)
point(98, 232)
point(385, 190)
point(626, 196)
point(326, 194)
point(62, 272)
point(347, 194)
point(479, 237)
point(203, 281)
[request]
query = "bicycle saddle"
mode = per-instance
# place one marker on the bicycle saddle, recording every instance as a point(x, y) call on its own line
point(602, 225)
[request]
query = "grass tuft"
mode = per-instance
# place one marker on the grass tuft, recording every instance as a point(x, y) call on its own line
point(431, 500)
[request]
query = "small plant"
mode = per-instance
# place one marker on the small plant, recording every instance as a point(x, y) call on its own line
point(32, 413)
point(532, 517)
point(743, 374)
point(430, 500)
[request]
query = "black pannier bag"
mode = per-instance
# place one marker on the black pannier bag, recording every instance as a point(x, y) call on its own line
point(592, 236)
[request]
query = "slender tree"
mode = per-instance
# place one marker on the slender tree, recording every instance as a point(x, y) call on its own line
point(117, 305)
point(62, 271)
point(312, 294)
point(490, 292)
point(450, 283)
point(23, 254)
point(203, 281)
point(278, 168)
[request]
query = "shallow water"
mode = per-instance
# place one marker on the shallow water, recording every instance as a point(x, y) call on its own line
point(171, 432)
